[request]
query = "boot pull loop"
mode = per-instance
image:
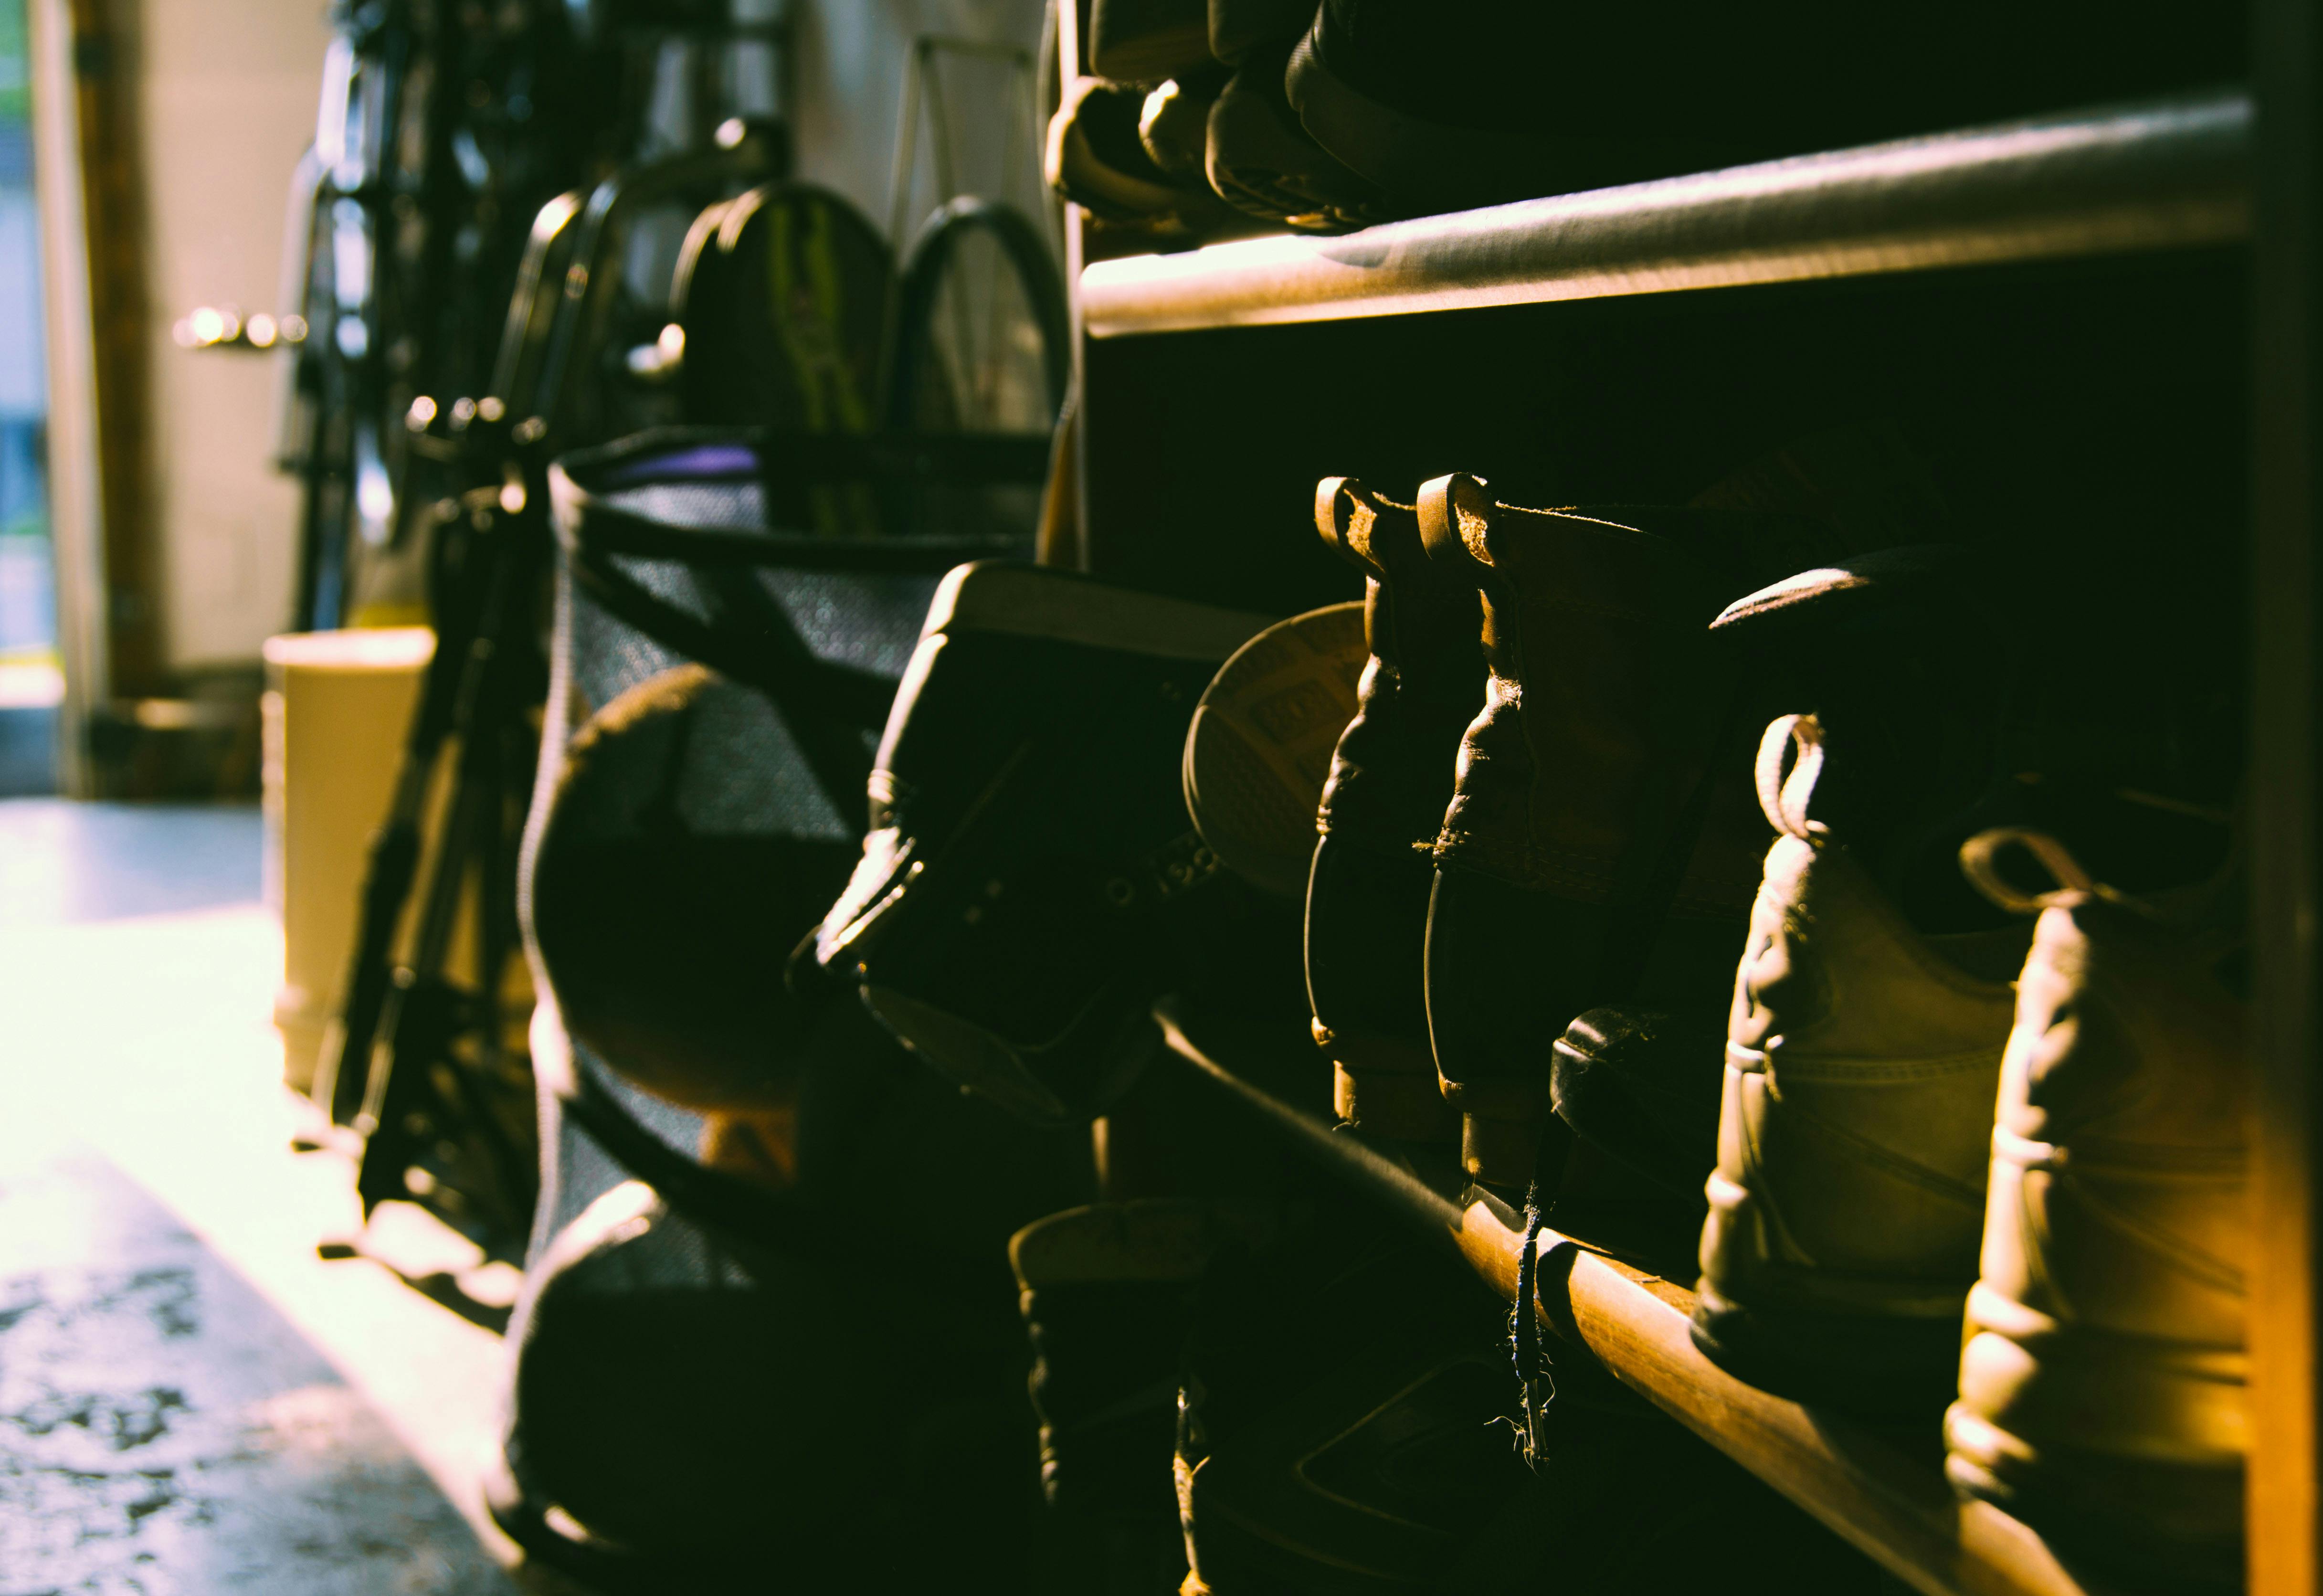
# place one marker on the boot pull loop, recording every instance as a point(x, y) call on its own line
point(1978, 858)
point(1785, 800)
point(1454, 514)
point(1337, 500)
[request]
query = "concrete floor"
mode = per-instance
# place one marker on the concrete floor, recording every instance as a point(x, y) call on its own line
point(190, 1401)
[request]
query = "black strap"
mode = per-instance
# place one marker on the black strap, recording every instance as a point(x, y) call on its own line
point(829, 731)
point(748, 654)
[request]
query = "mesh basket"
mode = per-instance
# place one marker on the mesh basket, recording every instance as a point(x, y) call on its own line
point(667, 561)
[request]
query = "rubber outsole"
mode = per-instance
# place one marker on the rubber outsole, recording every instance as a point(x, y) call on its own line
point(2138, 1525)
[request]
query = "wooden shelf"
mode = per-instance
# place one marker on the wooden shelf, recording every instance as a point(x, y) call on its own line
point(1896, 1510)
point(2166, 175)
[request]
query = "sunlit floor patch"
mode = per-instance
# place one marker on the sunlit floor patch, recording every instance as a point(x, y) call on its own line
point(162, 1429)
point(191, 1400)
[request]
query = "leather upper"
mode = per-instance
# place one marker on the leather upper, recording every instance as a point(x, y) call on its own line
point(2118, 1234)
point(1861, 1062)
point(1392, 773)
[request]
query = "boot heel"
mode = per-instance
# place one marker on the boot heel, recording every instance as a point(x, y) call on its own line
point(1387, 1087)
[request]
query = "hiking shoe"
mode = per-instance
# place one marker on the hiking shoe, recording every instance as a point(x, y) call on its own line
point(2103, 1382)
point(1029, 883)
point(1600, 845)
point(1390, 779)
point(1260, 746)
point(1263, 163)
point(1861, 1057)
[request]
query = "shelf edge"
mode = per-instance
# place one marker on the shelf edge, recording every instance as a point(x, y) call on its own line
point(1904, 1517)
point(2167, 175)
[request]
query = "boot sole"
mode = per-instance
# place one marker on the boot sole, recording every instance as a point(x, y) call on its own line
point(1430, 165)
point(2139, 1524)
point(529, 1524)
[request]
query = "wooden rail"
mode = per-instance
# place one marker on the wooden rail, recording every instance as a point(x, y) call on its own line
point(2169, 174)
point(1896, 1511)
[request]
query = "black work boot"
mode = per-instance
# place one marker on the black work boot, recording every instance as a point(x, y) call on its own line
point(1031, 882)
point(1603, 841)
point(1449, 103)
point(1107, 1295)
point(1239, 27)
point(1390, 779)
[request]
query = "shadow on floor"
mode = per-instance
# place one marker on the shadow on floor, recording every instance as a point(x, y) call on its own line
point(164, 1429)
point(63, 863)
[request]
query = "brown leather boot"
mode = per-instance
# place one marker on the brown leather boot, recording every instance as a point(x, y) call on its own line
point(1861, 1055)
point(1602, 845)
point(2103, 1381)
point(1391, 778)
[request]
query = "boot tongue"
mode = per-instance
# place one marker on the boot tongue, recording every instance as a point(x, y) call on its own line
point(1898, 655)
point(1915, 584)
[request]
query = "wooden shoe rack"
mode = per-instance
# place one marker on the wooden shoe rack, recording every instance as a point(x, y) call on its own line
point(2139, 285)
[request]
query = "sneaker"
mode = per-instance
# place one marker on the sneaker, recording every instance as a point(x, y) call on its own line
point(1029, 883)
point(2103, 1382)
point(1391, 778)
point(1260, 746)
point(1861, 1058)
point(1596, 849)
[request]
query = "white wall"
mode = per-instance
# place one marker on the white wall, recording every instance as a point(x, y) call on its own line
point(850, 76)
point(228, 90)
point(227, 95)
